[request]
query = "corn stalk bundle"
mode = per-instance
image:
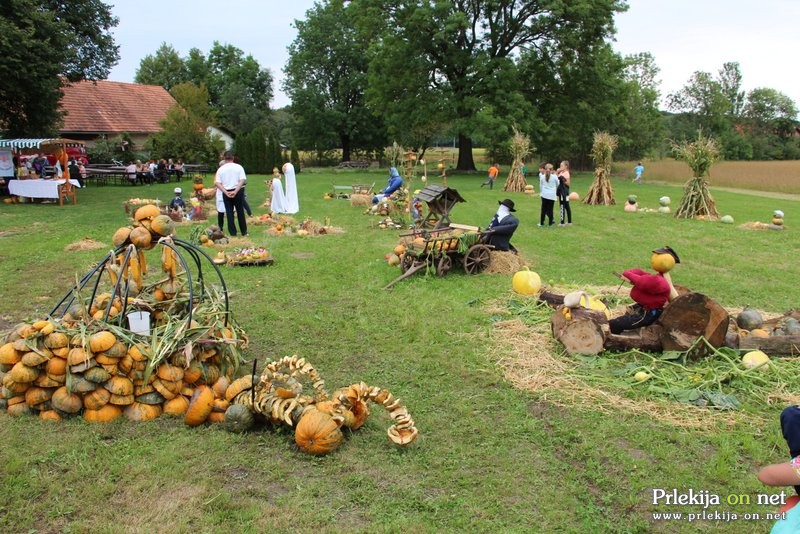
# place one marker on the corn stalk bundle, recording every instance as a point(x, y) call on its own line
point(520, 148)
point(700, 155)
point(601, 192)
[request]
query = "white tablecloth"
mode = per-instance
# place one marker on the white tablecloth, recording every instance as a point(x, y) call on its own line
point(36, 188)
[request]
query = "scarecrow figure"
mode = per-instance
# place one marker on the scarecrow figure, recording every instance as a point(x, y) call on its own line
point(651, 292)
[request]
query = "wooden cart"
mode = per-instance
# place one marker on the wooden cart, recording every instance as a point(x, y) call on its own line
point(442, 248)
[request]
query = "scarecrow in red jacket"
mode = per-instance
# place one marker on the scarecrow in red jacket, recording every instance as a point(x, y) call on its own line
point(651, 292)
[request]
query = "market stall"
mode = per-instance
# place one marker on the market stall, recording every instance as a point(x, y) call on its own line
point(55, 189)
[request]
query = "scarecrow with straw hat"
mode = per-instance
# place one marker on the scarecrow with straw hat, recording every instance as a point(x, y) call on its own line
point(650, 292)
point(503, 226)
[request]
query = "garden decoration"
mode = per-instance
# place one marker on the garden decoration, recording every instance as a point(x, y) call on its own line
point(777, 219)
point(120, 343)
point(520, 148)
point(663, 204)
point(631, 205)
point(440, 249)
point(291, 393)
point(440, 200)
point(601, 192)
point(700, 155)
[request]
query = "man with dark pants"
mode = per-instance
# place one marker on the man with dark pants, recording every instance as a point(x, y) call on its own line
point(230, 180)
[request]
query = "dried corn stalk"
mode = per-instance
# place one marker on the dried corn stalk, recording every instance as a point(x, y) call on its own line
point(601, 192)
point(700, 155)
point(520, 148)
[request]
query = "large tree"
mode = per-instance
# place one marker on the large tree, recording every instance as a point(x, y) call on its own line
point(164, 68)
point(44, 45)
point(326, 77)
point(450, 52)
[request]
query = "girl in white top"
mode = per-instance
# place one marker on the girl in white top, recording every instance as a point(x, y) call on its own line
point(292, 203)
point(548, 184)
point(278, 203)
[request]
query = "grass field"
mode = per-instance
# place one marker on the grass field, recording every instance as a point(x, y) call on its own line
point(491, 456)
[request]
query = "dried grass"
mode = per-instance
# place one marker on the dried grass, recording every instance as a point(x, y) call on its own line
point(87, 243)
point(755, 225)
point(529, 361)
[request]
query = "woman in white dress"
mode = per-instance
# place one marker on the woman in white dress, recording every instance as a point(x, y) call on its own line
point(292, 204)
point(278, 204)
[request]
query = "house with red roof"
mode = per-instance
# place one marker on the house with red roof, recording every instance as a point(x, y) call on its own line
point(95, 109)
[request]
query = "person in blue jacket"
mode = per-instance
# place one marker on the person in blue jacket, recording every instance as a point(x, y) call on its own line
point(394, 183)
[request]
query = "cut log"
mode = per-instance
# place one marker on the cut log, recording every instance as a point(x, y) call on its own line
point(690, 316)
point(554, 300)
point(584, 333)
point(647, 339)
point(772, 345)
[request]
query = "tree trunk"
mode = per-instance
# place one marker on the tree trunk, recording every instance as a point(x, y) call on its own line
point(584, 333)
point(772, 345)
point(554, 300)
point(646, 339)
point(345, 139)
point(690, 316)
point(465, 160)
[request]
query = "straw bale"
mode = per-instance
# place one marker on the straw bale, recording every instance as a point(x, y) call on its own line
point(87, 243)
point(360, 200)
point(504, 262)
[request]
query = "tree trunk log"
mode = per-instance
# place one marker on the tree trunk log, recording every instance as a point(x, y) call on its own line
point(554, 300)
point(772, 345)
point(465, 159)
point(690, 316)
point(583, 334)
point(646, 339)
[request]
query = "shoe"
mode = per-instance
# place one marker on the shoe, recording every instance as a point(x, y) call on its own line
point(561, 225)
point(539, 225)
point(568, 224)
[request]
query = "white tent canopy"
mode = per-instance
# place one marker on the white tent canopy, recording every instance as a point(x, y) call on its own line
point(38, 143)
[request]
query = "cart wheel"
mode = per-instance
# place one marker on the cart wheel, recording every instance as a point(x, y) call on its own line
point(406, 262)
point(445, 264)
point(476, 259)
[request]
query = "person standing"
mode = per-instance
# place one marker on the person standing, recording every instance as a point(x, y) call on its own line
point(563, 194)
point(230, 179)
point(548, 184)
point(494, 170)
point(292, 203)
point(638, 171)
point(278, 200)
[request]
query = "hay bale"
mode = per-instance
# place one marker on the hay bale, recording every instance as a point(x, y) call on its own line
point(360, 200)
point(504, 262)
point(87, 243)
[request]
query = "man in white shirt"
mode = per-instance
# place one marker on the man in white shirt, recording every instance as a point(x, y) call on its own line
point(230, 180)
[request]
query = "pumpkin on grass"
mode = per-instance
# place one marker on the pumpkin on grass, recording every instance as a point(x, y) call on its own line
point(176, 406)
point(238, 418)
point(140, 412)
point(105, 414)
point(526, 282)
point(200, 406)
point(65, 401)
point(318, 433)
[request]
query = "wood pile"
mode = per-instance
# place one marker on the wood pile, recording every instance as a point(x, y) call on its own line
point(354, 164)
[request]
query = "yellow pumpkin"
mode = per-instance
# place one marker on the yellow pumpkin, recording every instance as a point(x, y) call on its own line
point(526, 282)
point(662, 263)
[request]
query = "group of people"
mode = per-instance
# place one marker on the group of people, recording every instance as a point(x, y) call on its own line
point(554, 185)
point(284, 201)
point(152, 171)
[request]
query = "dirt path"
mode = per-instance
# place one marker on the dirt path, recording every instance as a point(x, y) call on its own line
point(766, 194)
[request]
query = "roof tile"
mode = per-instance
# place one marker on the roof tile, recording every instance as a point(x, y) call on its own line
point(114, 107)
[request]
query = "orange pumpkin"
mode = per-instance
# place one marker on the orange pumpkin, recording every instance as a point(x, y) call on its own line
point(162, 225)
point(200, 406)
point(318, 433)
point(141, 412)
point(176, 406)
point(105, 414)
point(102, 341)
point(96, 399)
point(216, 417)
point(9, 355)
point(56, 340)
point(662, 263)
point(49, 415)
point(238, 385)
point(21, 373)
point(121, 236)
point(141, 237)
point(221, 386)
point(65, 401)
point(148, 211)
point(36, 395)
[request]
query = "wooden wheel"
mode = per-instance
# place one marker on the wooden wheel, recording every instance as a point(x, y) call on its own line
point(444, 265)
point(406, 262)
point(476, 259)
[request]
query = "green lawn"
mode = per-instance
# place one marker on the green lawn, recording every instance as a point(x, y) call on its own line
point(490, 457)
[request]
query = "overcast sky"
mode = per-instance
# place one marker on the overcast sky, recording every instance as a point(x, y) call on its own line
point(684, 36)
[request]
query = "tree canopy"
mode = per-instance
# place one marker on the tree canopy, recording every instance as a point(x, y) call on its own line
point(326, 78)
point(45, 44)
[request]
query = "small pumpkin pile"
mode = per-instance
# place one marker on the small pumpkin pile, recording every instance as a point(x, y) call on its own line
point(132, 204)
point(291, 393)
point(149, 225)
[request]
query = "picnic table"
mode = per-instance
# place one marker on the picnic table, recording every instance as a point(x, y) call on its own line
point(50, 189)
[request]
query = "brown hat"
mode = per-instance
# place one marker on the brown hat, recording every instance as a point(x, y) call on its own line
point(507, 203)
point(667, 250)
